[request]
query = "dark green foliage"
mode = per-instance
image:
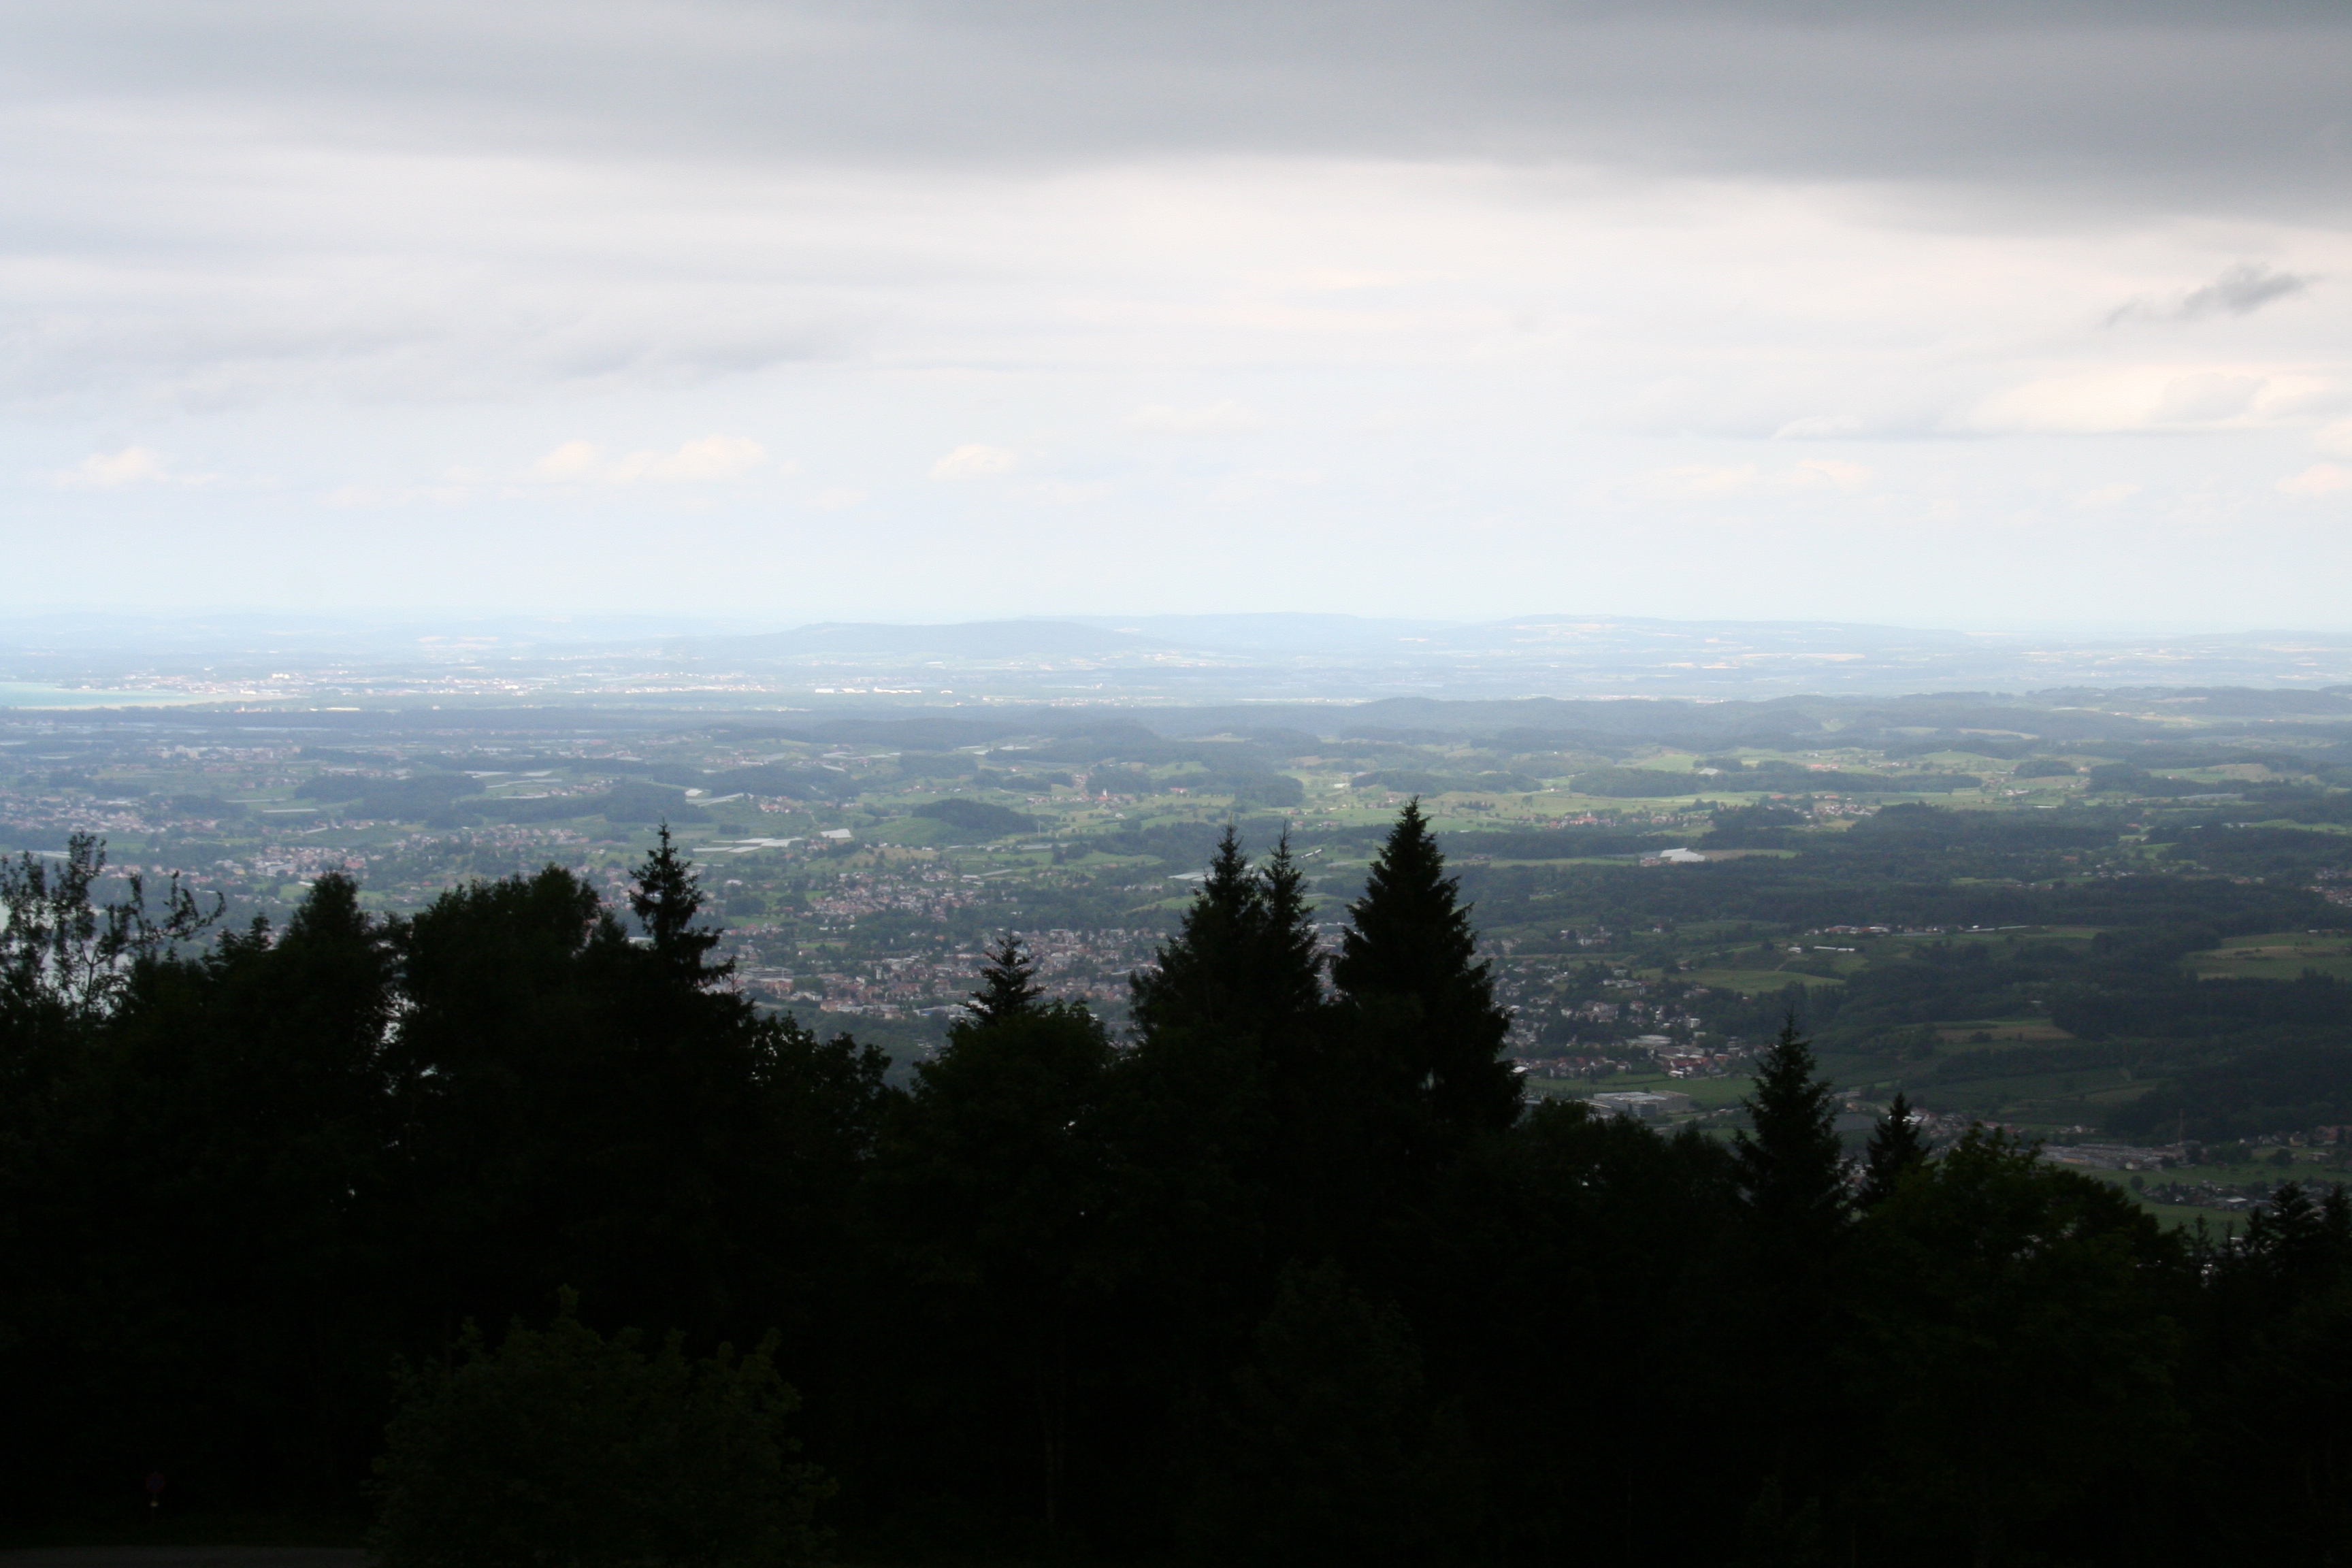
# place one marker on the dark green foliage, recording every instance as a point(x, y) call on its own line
point(2106, 776)
point(1897, 784)
point(1180, 845)
point(1911, 866)
point(1426, 1023)
point(1560, 842)
point(996, 1184)
point(2012, 1329)
point(1408, 781)
point(623, 804)
point(977, 816)
point(1244, 958)
point(1763, 826)
point(205, 805)
point(1791, 1165)
point(1896, 1147)
point(554, 1069)
point(303, 1151)
point(1231, 1027)
point(1267, 789)
point(2266, 1378)
point(59, 952)
point(2135, 1003)
point(1327, 1450)
point(628, 804)
point(662, 772)
point(425, 797)
point(1792, 1173)
point(1289, 1276)
point(1786, 778)
point(1930, 867)
point(1008, 983)
point(1773, 1534)
point(1603, 1249)
point(813, 782)
point(665, 899)
point(2126, 779)
point(564, 1447)
point(213, 1157)
point(1644, 783)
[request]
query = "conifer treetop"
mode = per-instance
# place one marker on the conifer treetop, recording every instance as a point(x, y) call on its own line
point(1791, 1164)
point(1244, 957)
point(1409, 966)
point(1896, 1145)
point(1008, 985)
point(667, 897)
point(1410, 932)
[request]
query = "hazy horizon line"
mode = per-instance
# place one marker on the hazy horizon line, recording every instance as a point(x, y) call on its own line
point(742, 624)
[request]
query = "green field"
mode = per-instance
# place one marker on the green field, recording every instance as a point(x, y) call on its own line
point(1753, 982)
point(2315, 1175)
point(2281, 955)
point(1706, 1093)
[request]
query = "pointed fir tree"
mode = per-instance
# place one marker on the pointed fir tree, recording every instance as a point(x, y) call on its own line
point(1244, 959)
point(1895, 1147)
point(1791, 1165)
point(666, 896)
point(665, 899)
point(1214, 1109)
point(1423, 1002)
point(1791, 1171)
point(2297, 1245)
point(1287, 973)
point(1008, 985)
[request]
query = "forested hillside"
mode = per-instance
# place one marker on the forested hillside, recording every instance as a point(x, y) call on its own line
point(1288, 1274)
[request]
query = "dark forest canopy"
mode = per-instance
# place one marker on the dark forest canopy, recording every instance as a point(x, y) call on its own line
point(976, 816)
point(1288, 1274)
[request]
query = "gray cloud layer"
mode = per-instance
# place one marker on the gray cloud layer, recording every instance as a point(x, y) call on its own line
point(2240, 291)
point(2237, 107)
point(816, 294)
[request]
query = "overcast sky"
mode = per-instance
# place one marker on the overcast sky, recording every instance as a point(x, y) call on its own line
point(1980, 314)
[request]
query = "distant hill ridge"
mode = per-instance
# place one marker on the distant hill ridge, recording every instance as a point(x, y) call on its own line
point(965, 639)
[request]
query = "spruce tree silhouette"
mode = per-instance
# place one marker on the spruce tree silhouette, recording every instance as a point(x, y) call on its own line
point(1234, 1005)
point(1287, 974)
point(1895, 1147)
point(1212, 973)
point(1791, 1165)
point(1424, 1002)
point(1790, 1171)
point(1008, 986)
point(665, 899)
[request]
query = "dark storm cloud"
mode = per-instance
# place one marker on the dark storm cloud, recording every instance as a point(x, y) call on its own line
point(2240, 107)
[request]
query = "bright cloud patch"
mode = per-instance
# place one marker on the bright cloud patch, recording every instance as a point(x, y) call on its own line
point(2208, 398)
point(2106, 496)
point(2319, 479)
point(1819, 427)
point(972, 462)
point(112, 470)
point(710, 460)
point(1223, 418)
point(2147, 398)
point(1715, 481)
